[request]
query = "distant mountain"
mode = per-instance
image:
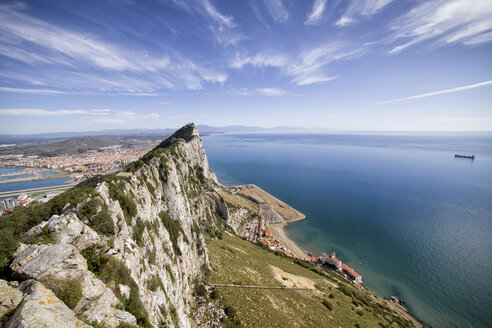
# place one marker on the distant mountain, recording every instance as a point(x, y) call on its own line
point(204, 130)
point(78, 145)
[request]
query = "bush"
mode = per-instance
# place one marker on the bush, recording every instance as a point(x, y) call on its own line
point(173, 227)
point(138, 230)
point(230, 311)
point(102, 222)
point(200, 289)
point(328, 304)
point(108, 269)
point(67, 290)
point(215, 294)
point(359, 312)
point(127, 205)
point(331, 296)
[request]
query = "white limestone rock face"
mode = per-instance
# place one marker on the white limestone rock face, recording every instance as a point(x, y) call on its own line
point(61, 261)
point(67, 229)
point(41, 308)
point(9, 297)
point(176, 185)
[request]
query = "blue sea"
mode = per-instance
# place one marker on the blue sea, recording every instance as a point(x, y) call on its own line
point(415, 221)
point(13, 186)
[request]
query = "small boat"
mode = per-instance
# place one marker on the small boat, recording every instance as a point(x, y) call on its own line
point(464, 156)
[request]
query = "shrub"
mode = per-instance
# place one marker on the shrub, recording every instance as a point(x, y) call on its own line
point(154, 283)
point(138, 230)
point(170, 272)
point(102, 222)
point(328, 304)
point(200, 289)
point(108, 269)
point(318, 286)
point(127, 205)
point(173, 227)
point(215, 294)
point(67, 290)
point(230, 311)
point(359, 312)
point(331, 296)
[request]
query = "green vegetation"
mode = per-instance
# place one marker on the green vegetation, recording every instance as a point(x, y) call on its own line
point(327, 304)
point(116, 192)
point(252, 265)
point(154, 283)
point(109, 269)
point(170, 272)
point(68, 290)
point(138, 230)
point(174, 229)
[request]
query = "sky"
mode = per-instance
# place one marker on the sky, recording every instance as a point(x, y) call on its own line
point(340, 65)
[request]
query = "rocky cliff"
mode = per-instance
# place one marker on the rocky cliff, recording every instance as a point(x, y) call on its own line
point(117, 251)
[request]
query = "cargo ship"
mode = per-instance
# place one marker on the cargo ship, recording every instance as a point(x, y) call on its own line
point(465, 156)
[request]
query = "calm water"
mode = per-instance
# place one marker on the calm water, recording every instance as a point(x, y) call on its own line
point(29, 184)
point(412, 219)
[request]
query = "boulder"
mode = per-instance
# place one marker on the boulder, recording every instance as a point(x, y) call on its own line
point(41, 308)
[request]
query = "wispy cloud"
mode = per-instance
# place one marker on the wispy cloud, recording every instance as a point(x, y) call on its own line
point(98, 115)
point(271, 91)
point(217, 16)
point(316, 13)
point(358, 8)
point(444, 21)
point(440, 92)
point(311, 67)
point(305, 68)
point(277, 10)
point(32, 91)
point(28, 40)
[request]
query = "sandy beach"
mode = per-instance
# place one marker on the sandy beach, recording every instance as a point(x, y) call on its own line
point(284, 212)
point(279, 234)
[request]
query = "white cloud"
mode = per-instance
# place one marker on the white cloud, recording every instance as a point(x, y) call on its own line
point(277, 10)
point(444, 21)
point(104, 115)
point(261, 59)
point(112, 67)
point(270, 91)
point(316, 13)
point(44, 112)
point(311, 68)
point(217, 16)
point(306, 68)
point(359, 8)
point(440, 92)
point(33, 91)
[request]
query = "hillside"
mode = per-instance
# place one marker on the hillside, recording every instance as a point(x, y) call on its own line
point(149, 246)
point(78, 145)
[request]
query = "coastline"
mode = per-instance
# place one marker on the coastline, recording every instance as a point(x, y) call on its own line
point(278, 232)
point(283, 214)
point(290, 214)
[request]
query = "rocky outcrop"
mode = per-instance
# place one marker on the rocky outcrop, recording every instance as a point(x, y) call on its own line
point(67, 229)
point(9, 297)
point(41, 308)
point(145, 232)
point(47, 263)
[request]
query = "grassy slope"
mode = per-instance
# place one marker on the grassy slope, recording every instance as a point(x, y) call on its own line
point(234, 260)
